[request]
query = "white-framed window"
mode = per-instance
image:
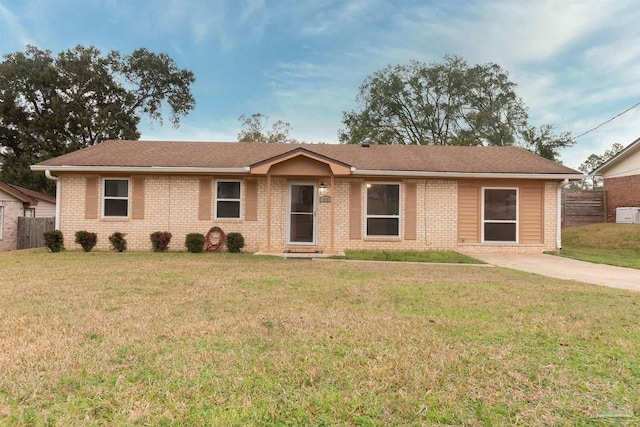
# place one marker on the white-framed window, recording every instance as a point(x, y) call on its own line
point(29, 212)
point(228, 199)
point(1, 221)
point(500, 215)
point(382, 209)
point(115, 197)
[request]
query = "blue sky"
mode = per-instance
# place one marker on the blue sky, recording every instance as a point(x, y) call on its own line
point(576, 62)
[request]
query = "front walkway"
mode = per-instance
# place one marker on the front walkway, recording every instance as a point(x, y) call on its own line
point(566, 268)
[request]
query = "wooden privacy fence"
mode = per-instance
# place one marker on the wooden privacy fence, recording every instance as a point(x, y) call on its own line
point(582, 207)
point(30, 231)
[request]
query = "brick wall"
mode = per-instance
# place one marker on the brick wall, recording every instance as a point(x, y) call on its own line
point(12, 210)
point(171, 204)
point(621, 192)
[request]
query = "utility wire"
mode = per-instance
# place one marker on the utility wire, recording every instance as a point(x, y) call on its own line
point(608, 121)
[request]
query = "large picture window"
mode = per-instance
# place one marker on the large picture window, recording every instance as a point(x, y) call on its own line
point(500, 215)
point(115, 198)
point(228, 199)
point(383, 209)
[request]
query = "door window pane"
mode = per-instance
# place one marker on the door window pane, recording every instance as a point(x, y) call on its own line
point(301, 228)
point(302, 198)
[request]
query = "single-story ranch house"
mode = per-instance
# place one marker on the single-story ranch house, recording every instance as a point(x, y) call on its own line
point(306, 197)
point(621, 175)
point(16, 202)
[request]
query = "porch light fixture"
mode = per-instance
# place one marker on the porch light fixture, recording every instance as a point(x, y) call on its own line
point(323, 190)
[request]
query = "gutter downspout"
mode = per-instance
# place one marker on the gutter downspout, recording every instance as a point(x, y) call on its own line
point(559, 214)
point(47, 173)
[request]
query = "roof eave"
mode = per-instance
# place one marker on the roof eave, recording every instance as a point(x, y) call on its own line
point(14, 192)
point(615, 159)
point(140, 169)
point(244, 170)
point(486, 175)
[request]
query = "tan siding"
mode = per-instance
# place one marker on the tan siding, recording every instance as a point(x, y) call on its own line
point(300, 166)
point(469, 214)
point(251, 200)
point(531, 215)
point(91, 198)
point(137, 204)
point(410, 219)
point(355, 211)
point(45, 209)
point(204, 199)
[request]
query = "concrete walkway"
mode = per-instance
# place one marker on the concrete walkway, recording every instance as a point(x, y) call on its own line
point(566, 268)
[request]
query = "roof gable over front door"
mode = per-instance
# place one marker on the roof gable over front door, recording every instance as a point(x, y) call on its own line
point(300, 162)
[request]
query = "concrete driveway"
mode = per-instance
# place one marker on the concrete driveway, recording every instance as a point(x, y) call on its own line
point(565, 268)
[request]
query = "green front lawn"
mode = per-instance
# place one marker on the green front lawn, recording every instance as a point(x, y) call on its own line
point(614, 244)
point(106, 338)
point(412, 256)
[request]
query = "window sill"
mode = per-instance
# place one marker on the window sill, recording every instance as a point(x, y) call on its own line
point(382, 239)
point(115, 219)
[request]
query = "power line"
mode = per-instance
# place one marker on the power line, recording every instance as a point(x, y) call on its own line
point(608, 121)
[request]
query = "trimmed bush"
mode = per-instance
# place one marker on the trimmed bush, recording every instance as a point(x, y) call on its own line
point(160, 241)
point(194, 242)
point(54, 240)
point(235, 242)
point(86, 239)
point(118, 242)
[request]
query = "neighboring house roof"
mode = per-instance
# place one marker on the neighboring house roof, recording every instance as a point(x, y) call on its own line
point(627, 152)
point(239, 157)
point(24, 194)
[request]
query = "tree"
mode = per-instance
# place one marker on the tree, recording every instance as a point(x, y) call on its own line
point(544, 142)
point(50, 106)
point(448, 103)
point(593, 162)
point(253, 129)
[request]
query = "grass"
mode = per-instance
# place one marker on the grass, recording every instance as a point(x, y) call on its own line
point(104, 338)
point(614, 244)
point(412, 256)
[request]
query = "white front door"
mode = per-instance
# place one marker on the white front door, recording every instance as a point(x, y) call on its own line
point(301, 223)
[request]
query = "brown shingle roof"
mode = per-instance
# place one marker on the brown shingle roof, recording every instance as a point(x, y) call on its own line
point(24, 194)
point(375, 157)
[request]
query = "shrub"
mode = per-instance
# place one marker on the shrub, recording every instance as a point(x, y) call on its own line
point(235, 242)
point(118, 242)
point(86, 239)
point(194, 242)
point(54, 240)
point(160, 241)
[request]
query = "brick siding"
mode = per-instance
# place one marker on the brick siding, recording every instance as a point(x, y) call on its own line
point(621, 192)
point(12, 210)
point(171, 204)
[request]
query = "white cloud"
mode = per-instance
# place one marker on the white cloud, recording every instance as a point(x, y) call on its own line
point(528, 32)
point(13, 33)
point(214, 130)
